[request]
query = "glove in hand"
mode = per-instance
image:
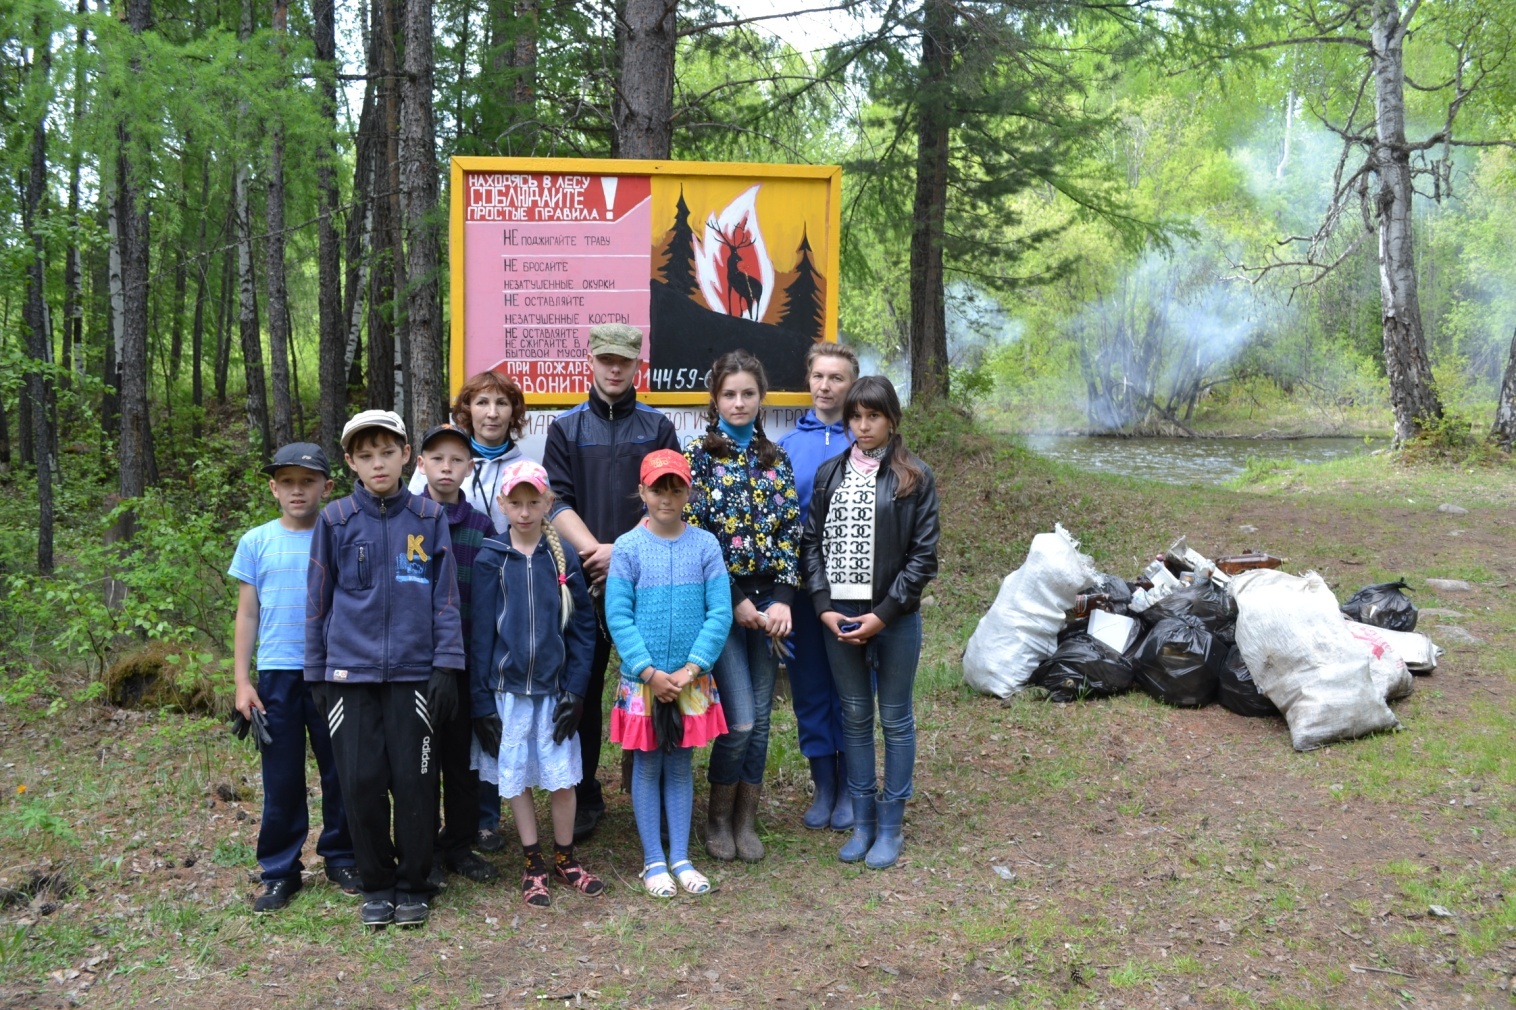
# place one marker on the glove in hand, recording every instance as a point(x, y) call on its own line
point(566, 716)
point(487, 730)
point(257, 725)
point(442, 697)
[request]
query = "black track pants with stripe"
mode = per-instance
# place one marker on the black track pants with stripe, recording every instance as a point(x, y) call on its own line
point(383, 740)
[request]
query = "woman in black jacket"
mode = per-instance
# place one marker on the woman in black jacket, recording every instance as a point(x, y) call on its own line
point(868, 551)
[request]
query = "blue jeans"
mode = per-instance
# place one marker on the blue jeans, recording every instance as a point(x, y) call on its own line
point(745, 676)
point(888, 660)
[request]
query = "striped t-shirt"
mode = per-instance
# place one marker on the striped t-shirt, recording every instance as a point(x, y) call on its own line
point(273, 560)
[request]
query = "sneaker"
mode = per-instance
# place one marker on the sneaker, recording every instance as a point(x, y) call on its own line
point(377, 912)
point(346, 878)
point(476, 869)
point(586, 820)
point(276, 894)
point(489, 840)
point(413, 912)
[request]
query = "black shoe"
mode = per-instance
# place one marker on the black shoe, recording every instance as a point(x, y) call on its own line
point(346, 878)
point(276, 894)
point(377, 912)
point(437, 878)
point(413, 912)
point(489, 840)
point(476, 869)
point(586, 820)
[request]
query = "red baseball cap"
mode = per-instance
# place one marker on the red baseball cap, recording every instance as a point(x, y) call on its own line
point(660, 462)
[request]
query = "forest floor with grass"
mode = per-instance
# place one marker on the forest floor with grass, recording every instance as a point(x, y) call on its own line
point(1104, 854)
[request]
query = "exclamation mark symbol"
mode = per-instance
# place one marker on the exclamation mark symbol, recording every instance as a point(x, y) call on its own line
point(608, 184)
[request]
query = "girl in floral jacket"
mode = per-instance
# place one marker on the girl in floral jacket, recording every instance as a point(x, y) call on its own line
point(743, 491)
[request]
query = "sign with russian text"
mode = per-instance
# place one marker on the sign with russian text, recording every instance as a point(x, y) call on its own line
point(702, 258)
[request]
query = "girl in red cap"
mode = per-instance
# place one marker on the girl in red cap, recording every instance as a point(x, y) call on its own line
point(668, 607)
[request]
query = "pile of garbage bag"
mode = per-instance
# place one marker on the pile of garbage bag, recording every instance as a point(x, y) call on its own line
point(1189, 631)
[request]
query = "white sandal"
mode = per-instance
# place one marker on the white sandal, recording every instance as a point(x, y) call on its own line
point(691, 879)
point(659, 884)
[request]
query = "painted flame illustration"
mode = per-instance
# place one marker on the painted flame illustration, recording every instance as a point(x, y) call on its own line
point(731, 262)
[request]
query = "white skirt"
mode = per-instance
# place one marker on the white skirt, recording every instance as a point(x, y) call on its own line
point(528, 757)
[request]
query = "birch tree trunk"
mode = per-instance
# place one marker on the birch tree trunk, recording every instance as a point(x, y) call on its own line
point(247, 316)
point(1503, 431)
point(643, 108)
point(928, 325)
point(1412, 396)
point(418, 181)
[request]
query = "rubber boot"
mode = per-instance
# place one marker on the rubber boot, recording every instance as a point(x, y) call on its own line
point(718, 823)
point(886, 847)
point(745, 823)
point(864, 827)
point(824, 774)
point(842, 810)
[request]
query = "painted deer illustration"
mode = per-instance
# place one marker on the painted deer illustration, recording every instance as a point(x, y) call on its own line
point(747, 289)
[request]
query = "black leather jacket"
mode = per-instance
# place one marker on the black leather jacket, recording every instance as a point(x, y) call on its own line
point(905, 540)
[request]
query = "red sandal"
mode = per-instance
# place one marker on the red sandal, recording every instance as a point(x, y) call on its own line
point(534, 889)
point(568, 870)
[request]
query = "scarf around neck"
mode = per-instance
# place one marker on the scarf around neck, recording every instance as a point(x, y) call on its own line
point(867, 460)
point(482, 451)
point(740, 434)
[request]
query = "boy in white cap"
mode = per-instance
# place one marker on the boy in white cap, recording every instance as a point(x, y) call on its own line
point(384, 639)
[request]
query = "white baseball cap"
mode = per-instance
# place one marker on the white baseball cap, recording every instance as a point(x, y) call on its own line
point(386, 419)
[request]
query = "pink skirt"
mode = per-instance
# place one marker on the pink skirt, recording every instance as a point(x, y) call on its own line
point(632, 715)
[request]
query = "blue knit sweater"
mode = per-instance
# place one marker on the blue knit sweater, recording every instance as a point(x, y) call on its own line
point(667, 602)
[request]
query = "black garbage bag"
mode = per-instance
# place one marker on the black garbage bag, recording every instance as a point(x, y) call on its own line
point(1083, 667)
point(1238, 691)
point(1384, 605)
point(1205, 600)
point(668, 725)
point(1178, 661)
point(1117, 589)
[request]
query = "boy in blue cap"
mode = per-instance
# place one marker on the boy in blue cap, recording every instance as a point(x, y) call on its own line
point(270, 565)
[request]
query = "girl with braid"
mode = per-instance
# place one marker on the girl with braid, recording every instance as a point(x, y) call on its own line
point(532, 640)
point(743, 491)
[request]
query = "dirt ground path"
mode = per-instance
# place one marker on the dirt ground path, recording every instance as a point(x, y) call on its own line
point(1108, 854)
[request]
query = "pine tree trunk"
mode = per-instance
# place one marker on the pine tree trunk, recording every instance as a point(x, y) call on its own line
point(197, 328)
point(110, 366)
point(418, 181)
point(928, 327)
point(38, 331)
point(132, 220)
point(224, 310)
point(1412, 396)
point(386, 269)
point(73, 268)
point(278, 291)
point(332, 377)
point(643, 109)
point(247, 317)
point(524, 61)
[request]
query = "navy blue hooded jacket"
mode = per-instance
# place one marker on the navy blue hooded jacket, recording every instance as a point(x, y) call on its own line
point(516, 644)
point(809, 445)
point(381, 591)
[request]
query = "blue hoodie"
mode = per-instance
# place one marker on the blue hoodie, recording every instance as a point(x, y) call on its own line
point(381, 591)
point(809, 445)
point(518, 642)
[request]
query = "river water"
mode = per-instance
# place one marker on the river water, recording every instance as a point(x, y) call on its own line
point(1188, 460)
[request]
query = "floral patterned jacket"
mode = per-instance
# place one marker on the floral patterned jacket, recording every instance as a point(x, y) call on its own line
point(753, 511)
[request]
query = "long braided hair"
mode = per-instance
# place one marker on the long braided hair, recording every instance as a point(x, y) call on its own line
point(716, 442)
point(555, 547)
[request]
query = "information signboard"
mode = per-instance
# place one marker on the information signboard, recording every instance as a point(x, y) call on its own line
point(702, 258)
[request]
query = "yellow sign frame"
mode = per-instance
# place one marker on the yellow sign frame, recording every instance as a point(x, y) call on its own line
point(607, 166)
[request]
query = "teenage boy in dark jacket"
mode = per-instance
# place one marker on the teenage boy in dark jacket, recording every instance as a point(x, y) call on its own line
point(594, 458)
point(384, 638)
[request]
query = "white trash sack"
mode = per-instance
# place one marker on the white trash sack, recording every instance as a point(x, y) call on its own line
point(1419, 652)
point(1021, 629)
point(1387, 669)
point(1302, 656)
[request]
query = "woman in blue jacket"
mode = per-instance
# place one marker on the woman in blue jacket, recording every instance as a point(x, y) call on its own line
point(529, 662)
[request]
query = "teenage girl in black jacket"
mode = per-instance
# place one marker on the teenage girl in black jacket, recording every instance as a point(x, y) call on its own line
point(868, 551)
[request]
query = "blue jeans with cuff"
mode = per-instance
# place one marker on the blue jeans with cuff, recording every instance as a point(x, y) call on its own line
point(745, 675)
point(889, 661)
